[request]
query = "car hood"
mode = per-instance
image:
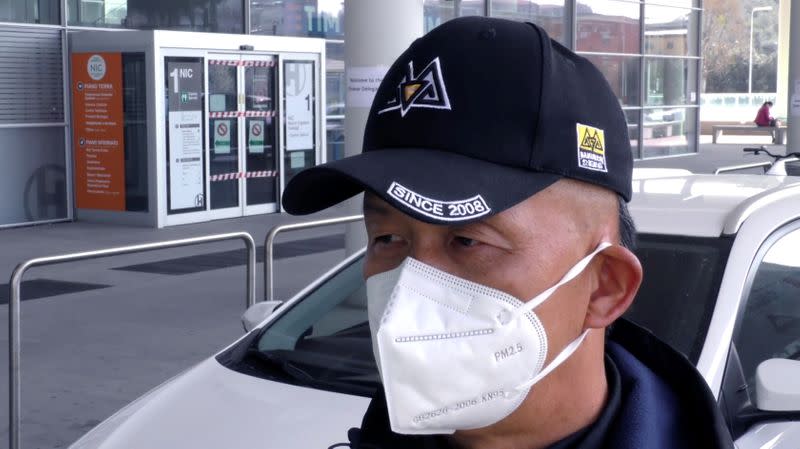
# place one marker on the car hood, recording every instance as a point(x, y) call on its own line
point(210, 406)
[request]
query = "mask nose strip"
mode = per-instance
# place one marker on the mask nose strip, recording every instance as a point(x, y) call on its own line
point(504, 317)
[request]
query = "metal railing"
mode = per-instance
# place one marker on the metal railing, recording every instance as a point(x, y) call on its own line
point(270, 240)
point(730, 168)
point(14, 346)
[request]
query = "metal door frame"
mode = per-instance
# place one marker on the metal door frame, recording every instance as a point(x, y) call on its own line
point(266, 207)
point(234, 211)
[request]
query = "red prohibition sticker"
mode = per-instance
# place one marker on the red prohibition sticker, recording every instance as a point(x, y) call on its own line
point(256, 130)
point(222, 129)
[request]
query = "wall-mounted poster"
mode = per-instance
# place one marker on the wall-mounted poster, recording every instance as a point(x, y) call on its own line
point(255, 136)
point(98, 135)
point(185, 155)
point(298, 88)
point(222, 136)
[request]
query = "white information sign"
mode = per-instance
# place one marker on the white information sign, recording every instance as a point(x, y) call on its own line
point(216, 102)
point(297, 160)
point(298, 80)
point(795, 106)
point(362, 83)
point(186, 154)
point(222, 136)
point(255, 136)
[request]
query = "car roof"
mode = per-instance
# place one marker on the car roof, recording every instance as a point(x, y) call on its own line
point(677, 202)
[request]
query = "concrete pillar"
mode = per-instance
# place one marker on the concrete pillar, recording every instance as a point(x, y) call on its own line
point(376, 32)
point(793, 94)
point(780, 108)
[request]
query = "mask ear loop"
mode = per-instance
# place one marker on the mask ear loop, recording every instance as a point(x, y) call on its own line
point(558, 360)
point(570, 275)
point(542, 297)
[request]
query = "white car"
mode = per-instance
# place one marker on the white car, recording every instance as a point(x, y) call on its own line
point(722, 284)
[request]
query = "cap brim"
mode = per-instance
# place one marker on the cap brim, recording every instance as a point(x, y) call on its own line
point(432, 186)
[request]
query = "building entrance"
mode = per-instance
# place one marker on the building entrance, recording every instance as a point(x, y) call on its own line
point(242, 137)
point(226, 122)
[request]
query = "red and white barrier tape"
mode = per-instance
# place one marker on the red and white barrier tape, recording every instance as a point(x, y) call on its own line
point(227, 114)
point(240, 175)
point(270, 63)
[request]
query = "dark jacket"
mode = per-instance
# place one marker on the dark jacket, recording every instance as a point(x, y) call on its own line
point(659, 401)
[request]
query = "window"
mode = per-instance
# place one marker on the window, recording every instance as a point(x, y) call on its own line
point(622, 73)
point(770, 325)
point(34, 180)
point(632, 117)
point(679, 290)
point(298, 18)
point(134, 110)
point(436, 12)
point(336, 95)
point(548, 14)
point(220, 16)
point(667, 31)
point(667, 81)
point(668, 131)
point(608, 26)
point(30, 11)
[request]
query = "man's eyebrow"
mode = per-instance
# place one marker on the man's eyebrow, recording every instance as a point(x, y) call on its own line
point(374, 207)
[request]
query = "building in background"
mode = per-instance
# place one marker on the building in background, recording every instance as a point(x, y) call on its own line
point(649, 52)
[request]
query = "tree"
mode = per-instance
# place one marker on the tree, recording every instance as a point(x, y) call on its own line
point(726, 46)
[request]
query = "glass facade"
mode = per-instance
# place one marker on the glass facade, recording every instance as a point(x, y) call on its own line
point(549, 14)
point(36, 180)
point(31, 11)
point(134, 109)
point(305, 18)
point(219, 16)
point(436, 12)
point(648, 50)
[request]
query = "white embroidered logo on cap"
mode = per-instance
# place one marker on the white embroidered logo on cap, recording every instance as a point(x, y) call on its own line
point(591, 148)
point(424, 90)
point(440, 210)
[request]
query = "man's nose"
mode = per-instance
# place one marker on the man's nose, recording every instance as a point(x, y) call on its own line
point(433, 252)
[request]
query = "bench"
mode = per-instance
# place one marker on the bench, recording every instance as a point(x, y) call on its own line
point(780, 131)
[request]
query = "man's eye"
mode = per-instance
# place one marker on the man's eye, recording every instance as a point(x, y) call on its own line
point(387, 239)
point(465, 241)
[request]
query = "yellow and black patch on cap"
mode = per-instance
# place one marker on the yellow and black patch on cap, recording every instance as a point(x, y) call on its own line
point(591, 148)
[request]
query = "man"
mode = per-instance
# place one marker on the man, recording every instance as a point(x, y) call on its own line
point(496, 165)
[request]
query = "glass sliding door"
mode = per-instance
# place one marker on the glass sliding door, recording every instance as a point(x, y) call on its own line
point(223, 131)
point(260, 146)
point(243, 141)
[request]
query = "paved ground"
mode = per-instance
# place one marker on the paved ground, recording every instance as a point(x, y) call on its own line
point(713, 156)
point(88, 353)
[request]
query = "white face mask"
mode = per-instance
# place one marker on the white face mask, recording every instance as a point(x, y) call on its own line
point(454, 354)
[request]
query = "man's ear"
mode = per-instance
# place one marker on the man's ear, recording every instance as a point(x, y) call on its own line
point(616, 281)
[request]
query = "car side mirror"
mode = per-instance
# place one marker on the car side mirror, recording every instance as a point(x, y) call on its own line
point(257, 313)
point(777, 388)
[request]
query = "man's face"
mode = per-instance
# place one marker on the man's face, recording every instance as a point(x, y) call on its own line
point(521, 251)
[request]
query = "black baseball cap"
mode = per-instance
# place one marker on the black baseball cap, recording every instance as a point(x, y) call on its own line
point(474, 117)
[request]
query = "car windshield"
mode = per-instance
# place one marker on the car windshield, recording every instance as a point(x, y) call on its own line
point(323, 341)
